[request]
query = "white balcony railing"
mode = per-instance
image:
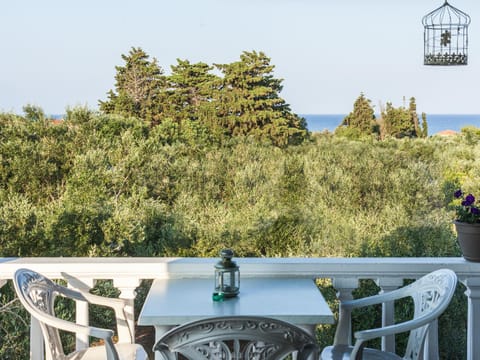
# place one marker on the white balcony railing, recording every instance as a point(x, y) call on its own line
point(127, 273)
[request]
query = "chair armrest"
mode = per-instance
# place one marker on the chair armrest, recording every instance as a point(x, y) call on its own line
point(342, 334)
point(365, 335)
point(375, 299)
point(100, 333)
point(395, 328)
point(65, 325)
point(81, 290)
point(118, 305)
point(114, 303)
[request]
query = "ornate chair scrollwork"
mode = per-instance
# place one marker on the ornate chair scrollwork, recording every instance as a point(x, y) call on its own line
point(236, 337)
point(431, 295)
point(37, 294)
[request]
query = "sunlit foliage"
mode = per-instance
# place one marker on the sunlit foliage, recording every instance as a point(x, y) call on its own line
point(108, 185)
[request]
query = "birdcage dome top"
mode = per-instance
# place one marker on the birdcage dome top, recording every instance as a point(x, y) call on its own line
point(446, 14)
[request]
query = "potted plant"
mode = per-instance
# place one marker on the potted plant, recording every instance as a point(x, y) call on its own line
point(467, 224)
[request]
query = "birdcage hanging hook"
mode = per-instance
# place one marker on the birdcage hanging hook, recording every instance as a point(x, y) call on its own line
point(446, 36)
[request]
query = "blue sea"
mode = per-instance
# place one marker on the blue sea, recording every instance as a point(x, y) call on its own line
point(435, 122)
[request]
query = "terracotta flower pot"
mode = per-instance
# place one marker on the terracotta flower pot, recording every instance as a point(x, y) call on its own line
point(468, 236)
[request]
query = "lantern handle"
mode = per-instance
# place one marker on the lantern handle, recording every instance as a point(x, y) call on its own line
point(227, 254)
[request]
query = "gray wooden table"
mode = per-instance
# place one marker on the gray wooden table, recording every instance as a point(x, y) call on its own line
point(172, 302)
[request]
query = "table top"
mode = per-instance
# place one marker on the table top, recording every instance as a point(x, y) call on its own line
point(177, 301)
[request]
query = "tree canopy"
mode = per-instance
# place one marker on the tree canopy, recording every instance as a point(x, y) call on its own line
point(244, 100)
point(402, 122)
point(247, 101)
point(360, 121)
point(139, 86)
point(393, 122)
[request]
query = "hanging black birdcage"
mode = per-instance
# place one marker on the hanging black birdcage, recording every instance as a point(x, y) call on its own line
point(446, 36)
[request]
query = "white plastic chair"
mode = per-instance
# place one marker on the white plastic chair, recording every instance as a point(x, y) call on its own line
point(236, 337)
point(431, 295)
point(37, 294)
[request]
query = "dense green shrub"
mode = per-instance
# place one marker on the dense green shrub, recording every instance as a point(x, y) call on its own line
point(14, 326)
point(104, 185)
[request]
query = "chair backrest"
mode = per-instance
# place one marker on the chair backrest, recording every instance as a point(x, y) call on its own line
point(236, 337)
point(431, 295)
point(37, 294)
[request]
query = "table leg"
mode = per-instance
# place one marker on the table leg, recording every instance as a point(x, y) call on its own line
point(160, 330)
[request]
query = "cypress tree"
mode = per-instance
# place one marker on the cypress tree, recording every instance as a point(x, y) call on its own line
point(362, 118)
point(424, 125)
point(412, 109)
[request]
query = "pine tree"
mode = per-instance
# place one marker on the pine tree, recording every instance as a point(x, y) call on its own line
point(33, 112)
point(401, 122)
point(190, 88)
point(397, 121)
point(139, 88)
point(244, 101)
point(247, 102)
point(362, 118)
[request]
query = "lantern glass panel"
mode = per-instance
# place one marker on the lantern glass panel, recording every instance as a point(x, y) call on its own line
point(227, 275)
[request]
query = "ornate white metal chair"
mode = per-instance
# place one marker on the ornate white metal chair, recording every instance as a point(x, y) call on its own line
point(431, 295)
point(236, 337)
point(37, 294)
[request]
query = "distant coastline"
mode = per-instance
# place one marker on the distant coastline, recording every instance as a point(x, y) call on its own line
point(436, 122)
point(329, 122)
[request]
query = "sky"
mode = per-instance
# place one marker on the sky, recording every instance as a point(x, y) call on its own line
point(58, 54)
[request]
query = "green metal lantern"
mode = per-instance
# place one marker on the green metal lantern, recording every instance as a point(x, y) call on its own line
point(227, 275)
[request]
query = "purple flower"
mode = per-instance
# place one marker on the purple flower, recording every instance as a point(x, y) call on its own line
point(467, 211)
point(469, 200)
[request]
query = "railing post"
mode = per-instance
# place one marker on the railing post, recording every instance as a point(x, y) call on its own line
point(81, 311)
point(127, 288)
point(473, 325)
point(345, 287)
point(37, 349)
point(430, 351)
point(388, 309)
